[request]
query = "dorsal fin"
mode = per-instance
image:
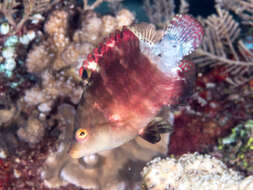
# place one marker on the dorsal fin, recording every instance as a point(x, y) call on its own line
point(187, 30)
point(92, 61)
point(147, 33)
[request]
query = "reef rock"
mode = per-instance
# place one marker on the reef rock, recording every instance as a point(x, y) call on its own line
point(192, 171)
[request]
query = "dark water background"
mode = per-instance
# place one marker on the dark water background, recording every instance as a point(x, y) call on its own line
point(197, 7)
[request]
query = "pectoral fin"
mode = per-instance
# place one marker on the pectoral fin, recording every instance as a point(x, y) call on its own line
point(156, 127)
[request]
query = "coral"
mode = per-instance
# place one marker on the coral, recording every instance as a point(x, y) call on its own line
point(32, 132)
point(236, 148)
point(213, 110)
point(160, 11)
point(243, 8)
point(91, 28)
point(113, 169)
point(73, 51)
point(48, 56)
point(124, 18)
point(192, 171)
point(7, 111)
point(51, 50)
point(16, 36)
point(56, 27)
point(34, 63)
point(222, 46)
point(52, 88)
point(94, 29)
point(30, 7)
point(95, 4)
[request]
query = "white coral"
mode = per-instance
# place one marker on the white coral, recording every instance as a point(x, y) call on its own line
point(190, 172)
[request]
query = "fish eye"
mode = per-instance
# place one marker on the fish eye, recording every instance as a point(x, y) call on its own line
point(81, 134)
point(84, 74)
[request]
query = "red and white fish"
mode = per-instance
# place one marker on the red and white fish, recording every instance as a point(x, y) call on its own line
point(136, 73)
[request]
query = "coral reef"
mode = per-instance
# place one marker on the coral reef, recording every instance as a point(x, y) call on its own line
point(235, 150)
point(243, 8)
point(159, 12)
point(114, 169)
point(42, 45)
point(213, 110)
point(192, 171)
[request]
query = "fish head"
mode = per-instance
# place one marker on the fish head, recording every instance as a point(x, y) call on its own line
point(96, 132)
point(89, 140)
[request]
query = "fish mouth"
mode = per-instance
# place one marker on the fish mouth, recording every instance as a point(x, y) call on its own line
point(74, 153)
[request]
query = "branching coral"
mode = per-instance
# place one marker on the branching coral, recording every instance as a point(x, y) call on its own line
point(192, 171)
point(8, 8)
point(160, 11)
point(222, 46)
point(243, 8)
point(86, 6)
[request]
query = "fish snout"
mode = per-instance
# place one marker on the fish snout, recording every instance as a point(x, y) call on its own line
point(74, 153)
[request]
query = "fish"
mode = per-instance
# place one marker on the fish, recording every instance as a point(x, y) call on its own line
point(136, 74)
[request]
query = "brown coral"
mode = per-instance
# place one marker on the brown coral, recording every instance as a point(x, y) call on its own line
point(51, 89)
point(33, 132)
point(124, 18)
point(34, 63)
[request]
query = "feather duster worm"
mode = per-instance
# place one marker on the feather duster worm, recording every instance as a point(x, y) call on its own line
point(136, 72)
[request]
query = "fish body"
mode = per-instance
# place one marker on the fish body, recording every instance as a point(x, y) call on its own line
point(136, 72)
